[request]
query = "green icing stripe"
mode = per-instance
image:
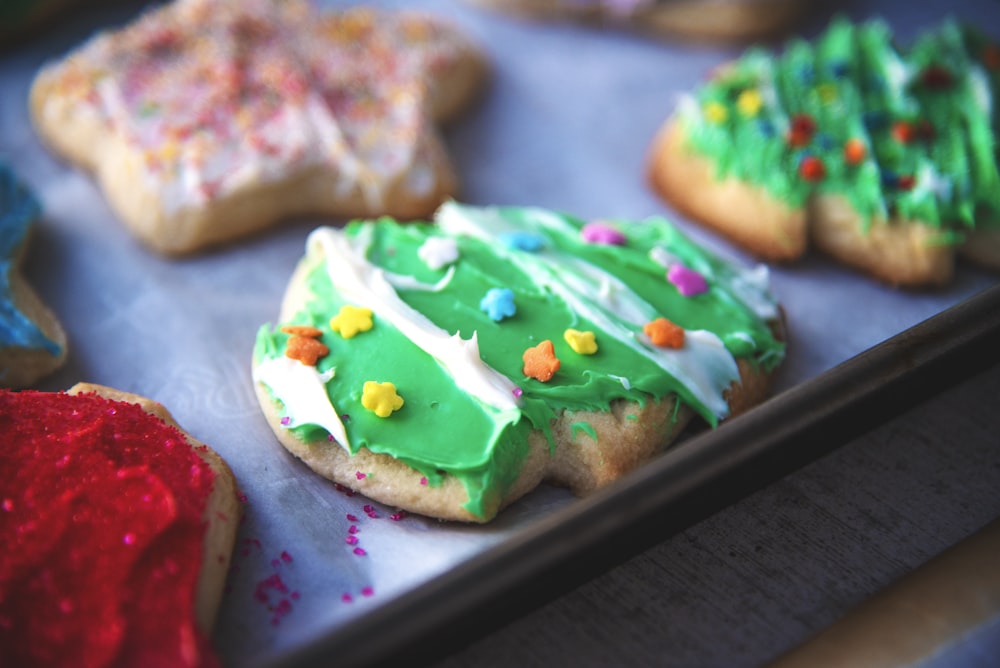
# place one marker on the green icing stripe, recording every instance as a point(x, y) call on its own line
point(441, 429)
point(927, 118)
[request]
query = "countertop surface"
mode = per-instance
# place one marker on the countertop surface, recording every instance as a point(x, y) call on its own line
point(766, 575)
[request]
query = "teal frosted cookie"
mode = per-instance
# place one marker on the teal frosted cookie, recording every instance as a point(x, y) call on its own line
point(448, 368)
point(32, 342)
point(881, 156)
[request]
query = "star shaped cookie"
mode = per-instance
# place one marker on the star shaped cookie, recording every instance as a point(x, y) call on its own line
point(208, 120)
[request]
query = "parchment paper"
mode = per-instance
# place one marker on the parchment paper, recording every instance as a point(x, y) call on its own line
point(565, 123)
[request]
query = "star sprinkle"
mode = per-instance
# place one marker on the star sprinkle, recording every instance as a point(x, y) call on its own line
point(264, 92)
point(664, 334)
point(304, 344)
point(582, 343)
point(381, 398)
point(351, 320)
point(602, 234)
point(438, 252)
point(498, 303)
point(687, 281)
point(523, 241)
point(540, 362)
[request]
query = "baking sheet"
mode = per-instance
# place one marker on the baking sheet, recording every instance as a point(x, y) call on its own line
point(565, 123)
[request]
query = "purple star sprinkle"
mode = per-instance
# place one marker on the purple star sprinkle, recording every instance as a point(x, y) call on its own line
point(602, 234)
point(688, 281)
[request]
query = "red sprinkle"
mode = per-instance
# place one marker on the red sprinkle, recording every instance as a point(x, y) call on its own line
point(801, 131)
point(812, 168)
point(903, 132)
point(936, 76)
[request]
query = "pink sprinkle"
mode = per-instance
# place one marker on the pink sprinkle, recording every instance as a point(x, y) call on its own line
point(285, 557)
point(286, 420)
point(346, 598)
point(360, 551)
point(368, 591)
point(351, 540)
point(368, 508)
point(602, 233)
point(400, 515)
point(517, 392)
point(352, 518)
point(423, 481)
point(129, 538)
point(688, 281)
point(353, 529)
point(360, 476)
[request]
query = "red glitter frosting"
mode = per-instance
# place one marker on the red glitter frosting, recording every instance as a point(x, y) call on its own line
point(101, 519)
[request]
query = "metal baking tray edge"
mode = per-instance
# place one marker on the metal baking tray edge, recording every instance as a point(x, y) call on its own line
point(688, 483)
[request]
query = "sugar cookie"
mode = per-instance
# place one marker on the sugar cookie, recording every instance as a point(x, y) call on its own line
point(207, 120)
point(118, 529)
point(32, 341)
point(458, 364)
point(883, 158)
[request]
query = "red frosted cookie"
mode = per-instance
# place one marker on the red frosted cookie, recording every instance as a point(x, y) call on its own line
point(205, 121)
point(117, 528)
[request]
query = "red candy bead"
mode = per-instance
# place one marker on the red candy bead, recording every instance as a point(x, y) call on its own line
point(812, 168)
point(801, 130)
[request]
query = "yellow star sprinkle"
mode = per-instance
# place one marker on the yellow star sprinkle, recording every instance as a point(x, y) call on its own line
point(381, 398)
point(351, 320)
point(827, 92)
point(715, 112)
point(749, 102)
point(582, 343)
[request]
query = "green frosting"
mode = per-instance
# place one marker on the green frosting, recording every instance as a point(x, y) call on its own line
point(925, 119)
point(556, 277)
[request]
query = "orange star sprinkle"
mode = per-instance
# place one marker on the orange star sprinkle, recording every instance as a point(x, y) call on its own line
point(304, 344)
point(541, 362)
point(664, 333)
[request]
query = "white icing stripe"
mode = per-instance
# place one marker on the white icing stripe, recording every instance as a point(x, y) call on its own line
point(362, 283)
point(302, 389)
point(703, 365)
